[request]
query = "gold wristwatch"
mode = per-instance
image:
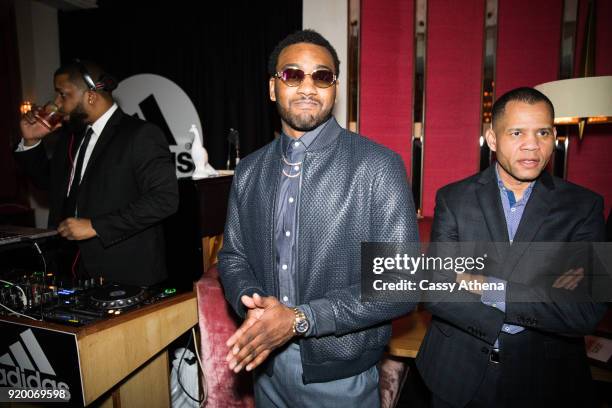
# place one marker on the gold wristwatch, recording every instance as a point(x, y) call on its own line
point(301, 323)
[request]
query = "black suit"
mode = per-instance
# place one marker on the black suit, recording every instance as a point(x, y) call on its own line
point(128, 187)
point(546, 363)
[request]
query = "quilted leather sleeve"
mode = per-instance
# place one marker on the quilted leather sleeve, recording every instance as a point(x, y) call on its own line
point(234, 269)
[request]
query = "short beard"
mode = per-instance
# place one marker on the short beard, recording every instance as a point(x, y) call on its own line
point(302, 124)
point(77, 121)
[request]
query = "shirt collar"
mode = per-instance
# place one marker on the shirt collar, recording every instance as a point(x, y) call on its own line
point(308, 137)
point(501, 185)
point(99, 125)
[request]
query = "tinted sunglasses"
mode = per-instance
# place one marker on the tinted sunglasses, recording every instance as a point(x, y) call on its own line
point(322, 78)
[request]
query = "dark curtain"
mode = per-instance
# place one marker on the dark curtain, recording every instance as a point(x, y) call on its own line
point(11, 189)
point(215, 51)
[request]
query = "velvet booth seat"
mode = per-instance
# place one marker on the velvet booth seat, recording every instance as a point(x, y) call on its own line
point(217, 323)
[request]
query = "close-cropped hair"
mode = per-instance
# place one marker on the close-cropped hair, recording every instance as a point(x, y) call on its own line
point(303, 36)
point(524, 94)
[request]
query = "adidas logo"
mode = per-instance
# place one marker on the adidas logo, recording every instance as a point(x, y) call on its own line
point(26, 356)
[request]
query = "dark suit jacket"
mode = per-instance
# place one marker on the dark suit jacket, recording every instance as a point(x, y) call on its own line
point(546, 363)
point(129, 186)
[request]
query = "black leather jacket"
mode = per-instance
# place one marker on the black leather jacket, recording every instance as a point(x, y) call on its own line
point(353, 190)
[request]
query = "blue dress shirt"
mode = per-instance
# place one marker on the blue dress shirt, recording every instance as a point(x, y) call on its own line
point(513, 212)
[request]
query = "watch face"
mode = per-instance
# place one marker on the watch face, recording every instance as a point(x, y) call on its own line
point(302, 326)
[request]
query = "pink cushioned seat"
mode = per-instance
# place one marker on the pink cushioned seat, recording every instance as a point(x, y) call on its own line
point(217, 323)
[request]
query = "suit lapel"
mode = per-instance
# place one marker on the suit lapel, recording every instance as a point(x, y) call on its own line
point(268, 192)
point(490, 204)
point(491, 207)
point(537, 209)
point(107, 134)
point(64, 178)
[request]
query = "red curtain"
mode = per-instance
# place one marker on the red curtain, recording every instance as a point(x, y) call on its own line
point(529, 37)
point(588, 161)
point(452, 94)
point(386, 73)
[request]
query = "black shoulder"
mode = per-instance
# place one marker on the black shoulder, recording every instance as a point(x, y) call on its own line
point(248, 163)
point(134, 123)
point(460, 187)
point(577, 193)
point(365, 149)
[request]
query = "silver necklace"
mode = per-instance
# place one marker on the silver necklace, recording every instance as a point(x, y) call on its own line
point(291, 175)
point(288, 163)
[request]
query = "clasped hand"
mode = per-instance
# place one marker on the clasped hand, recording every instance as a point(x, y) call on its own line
point(268, 325)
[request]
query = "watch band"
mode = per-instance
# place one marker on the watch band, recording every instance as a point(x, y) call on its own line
point(299, 316)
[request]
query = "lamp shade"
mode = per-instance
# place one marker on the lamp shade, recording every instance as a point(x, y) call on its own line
point(589, 97)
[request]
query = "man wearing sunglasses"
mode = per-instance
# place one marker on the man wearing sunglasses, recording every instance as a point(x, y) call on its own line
point(299, 210)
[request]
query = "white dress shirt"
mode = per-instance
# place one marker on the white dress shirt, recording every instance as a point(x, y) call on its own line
point(98, 127)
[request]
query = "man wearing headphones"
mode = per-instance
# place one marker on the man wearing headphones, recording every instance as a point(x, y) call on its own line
point(110, 178)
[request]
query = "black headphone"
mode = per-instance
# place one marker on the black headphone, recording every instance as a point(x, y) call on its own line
point(105, 83)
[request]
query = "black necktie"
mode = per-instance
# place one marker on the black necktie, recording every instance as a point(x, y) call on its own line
point(71, 200)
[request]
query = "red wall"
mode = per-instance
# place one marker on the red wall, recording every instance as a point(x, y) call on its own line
point(452, 94)
point(386, 73)
point(529, 35)
point(590, 160)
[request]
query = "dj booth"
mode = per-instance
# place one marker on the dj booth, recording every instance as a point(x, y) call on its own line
point(108, 343)
point(123, 356)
